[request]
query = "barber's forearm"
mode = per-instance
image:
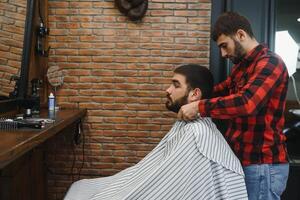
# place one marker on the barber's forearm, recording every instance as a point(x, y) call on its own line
point(223, 107)
point(221, 89)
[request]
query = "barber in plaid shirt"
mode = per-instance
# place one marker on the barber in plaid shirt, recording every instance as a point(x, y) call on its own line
point(253, 99)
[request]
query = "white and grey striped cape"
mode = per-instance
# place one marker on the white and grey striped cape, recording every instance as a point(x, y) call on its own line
point(193, 161)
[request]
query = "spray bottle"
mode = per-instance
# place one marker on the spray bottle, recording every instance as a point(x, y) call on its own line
point(51, 102)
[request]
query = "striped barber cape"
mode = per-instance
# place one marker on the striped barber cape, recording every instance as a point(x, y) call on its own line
point(193, 161)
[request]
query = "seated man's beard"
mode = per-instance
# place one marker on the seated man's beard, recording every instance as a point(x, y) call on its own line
point(176, 105)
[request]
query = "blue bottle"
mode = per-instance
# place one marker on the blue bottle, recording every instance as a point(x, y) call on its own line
point(51, 102)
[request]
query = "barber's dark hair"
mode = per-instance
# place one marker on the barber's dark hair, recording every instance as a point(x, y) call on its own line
point(197, 76)
point(228, 23)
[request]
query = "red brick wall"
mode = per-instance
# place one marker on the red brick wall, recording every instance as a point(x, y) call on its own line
point(12, 23)
point(119, 71)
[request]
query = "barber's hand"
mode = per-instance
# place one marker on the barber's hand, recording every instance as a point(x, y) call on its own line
point(188, 111)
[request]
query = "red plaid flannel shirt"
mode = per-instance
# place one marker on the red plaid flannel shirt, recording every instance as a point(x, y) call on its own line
point(253, 98)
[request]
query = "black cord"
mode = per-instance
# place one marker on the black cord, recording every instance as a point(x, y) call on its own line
point(83, 144)
point(40, 15)
point(73, 162)
point(74, 159)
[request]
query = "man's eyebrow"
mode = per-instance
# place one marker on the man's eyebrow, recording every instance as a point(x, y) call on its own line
point(221, 44)
point(175, 81)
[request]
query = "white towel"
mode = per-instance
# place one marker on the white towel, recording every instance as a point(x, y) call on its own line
point(193, 161)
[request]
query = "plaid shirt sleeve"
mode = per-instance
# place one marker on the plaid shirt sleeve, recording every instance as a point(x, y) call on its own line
point(251, 97)
point(221, 89)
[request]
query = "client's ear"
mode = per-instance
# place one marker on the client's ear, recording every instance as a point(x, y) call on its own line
point(196, 94)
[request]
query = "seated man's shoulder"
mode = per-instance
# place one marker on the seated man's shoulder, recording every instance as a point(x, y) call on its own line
point(206, 135)
point(202, 125)
point(205, 129)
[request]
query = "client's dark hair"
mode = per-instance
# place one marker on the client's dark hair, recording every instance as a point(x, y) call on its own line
point(228, 23)
point(197, 76)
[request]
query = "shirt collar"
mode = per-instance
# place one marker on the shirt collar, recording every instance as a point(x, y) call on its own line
point(253, 53)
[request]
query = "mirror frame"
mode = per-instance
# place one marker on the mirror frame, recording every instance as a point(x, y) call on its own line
point(13, 104)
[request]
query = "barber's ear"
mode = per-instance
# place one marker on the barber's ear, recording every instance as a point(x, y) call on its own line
point(196, 94)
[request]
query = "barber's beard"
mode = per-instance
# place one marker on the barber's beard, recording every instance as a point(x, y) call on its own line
point(176, 105)
point(239, 53)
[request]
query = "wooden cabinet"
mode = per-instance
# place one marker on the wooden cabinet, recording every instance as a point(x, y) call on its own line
point(22, 171)
point(24, 178)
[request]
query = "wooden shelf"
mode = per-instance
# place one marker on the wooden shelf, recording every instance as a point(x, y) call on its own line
point(14, 144)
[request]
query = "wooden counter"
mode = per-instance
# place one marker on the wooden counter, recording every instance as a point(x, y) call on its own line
point(22, 171)
point(14, 144)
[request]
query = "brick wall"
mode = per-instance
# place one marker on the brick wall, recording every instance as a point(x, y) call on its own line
point(119, 71)
point(12, 23)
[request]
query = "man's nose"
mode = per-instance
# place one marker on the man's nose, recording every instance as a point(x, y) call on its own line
point(168, 90)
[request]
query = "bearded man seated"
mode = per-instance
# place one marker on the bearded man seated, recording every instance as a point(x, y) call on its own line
point(193, 160)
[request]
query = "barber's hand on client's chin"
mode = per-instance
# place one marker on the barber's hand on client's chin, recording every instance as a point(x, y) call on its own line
point(188, 111)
